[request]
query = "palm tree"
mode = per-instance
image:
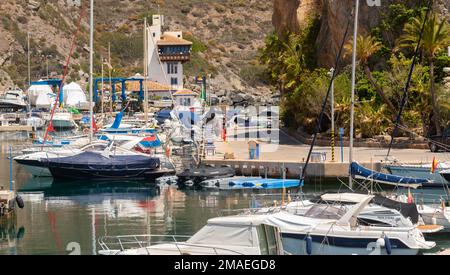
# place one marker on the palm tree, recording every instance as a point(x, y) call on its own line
point(435, 38)
point(366, 47)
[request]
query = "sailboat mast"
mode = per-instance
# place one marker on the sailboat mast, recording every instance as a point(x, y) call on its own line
point(28, 55)
point(91, 65)
point(110, 80)
point(352, 103)
point(29, 71)
point(101, 94)
point(145, 72)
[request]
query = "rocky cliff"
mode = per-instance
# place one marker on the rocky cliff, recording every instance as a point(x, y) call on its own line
point(227, 35)
point(334, 14)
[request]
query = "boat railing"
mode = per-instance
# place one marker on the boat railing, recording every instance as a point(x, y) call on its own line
point(122, 243)
point(251, 211)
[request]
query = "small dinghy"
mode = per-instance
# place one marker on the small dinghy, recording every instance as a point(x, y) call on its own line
point(193, 176)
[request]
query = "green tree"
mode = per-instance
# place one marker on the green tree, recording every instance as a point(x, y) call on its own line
point(435, 38)
point(366, 47)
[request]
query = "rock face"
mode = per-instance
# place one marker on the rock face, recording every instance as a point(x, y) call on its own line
point(293, 14)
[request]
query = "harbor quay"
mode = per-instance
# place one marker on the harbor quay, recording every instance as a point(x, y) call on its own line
point(292, 155)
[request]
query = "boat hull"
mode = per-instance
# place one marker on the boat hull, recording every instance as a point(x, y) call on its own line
point(418, 172)
point(63, 124)
point(295, 244)
point(92, 174)
point(446, 176)
point(35, 167)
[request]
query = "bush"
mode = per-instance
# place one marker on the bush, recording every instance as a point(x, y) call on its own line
point(253, 74)
point(197, 45)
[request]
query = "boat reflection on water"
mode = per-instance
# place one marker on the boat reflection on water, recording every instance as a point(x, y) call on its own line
point(10, 234)
point(118, 199)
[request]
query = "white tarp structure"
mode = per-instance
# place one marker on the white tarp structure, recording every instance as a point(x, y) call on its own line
point(40, 96)
point(74, 95)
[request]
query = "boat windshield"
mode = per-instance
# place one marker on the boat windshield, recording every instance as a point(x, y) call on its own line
point(325, 212)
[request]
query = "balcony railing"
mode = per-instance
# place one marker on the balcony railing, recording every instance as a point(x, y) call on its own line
point(174, 57)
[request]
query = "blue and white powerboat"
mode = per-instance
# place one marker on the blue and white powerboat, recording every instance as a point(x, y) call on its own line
point(330, 230)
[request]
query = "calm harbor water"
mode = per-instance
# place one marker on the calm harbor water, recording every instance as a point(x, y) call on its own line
point(59, 216)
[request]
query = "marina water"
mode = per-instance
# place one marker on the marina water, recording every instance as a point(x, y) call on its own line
point(69, 217)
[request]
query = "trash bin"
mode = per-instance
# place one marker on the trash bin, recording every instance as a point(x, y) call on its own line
point(253, 149)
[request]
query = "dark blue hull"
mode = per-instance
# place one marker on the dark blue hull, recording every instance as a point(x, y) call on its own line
point(89, 174)
point(92, 166)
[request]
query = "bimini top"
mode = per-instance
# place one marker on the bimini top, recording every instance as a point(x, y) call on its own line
point(230, 231)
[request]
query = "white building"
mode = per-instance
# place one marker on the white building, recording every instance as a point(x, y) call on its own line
point(167, 52)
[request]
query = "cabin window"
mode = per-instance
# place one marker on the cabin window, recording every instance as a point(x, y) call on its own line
point(271, 240)
point(262, 238)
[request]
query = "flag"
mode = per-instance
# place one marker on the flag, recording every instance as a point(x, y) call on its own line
point(50, 127)
point(410, 197)
point(434, 165)
point(94, 125)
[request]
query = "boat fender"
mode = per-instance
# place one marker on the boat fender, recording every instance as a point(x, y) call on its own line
point(433, 220)
point(309, 245)
point(11, 204)
point(387, 244)
point(19, 201)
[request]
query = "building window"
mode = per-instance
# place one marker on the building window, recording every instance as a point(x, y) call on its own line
point(172, 68)
point(173, 81)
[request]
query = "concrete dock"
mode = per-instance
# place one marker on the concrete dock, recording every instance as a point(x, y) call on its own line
point(291, 154)
point(15, 128)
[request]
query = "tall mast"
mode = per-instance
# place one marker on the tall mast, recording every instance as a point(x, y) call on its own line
point(110, 81)
point(91, 69)
point(352, 103)
point(102, 90)
point(28, 55)
point(145, 72)
point(29, 70)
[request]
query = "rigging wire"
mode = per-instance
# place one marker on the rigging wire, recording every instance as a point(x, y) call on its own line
point(408, 82)
point(319, 121)
point(66, 70)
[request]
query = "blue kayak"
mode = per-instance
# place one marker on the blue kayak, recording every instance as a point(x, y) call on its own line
point(263, 183)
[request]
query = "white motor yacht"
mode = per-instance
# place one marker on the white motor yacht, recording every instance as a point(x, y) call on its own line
point(232, 235)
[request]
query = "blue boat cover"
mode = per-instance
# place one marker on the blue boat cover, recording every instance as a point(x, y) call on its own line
point(364, 173)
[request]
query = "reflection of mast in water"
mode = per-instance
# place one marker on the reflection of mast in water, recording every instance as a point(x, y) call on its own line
point(94, 241)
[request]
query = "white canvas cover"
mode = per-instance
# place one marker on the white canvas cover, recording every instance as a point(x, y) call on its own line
point(73, 95)
point(39, 91)
point(45, 100)
point(231, 235)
